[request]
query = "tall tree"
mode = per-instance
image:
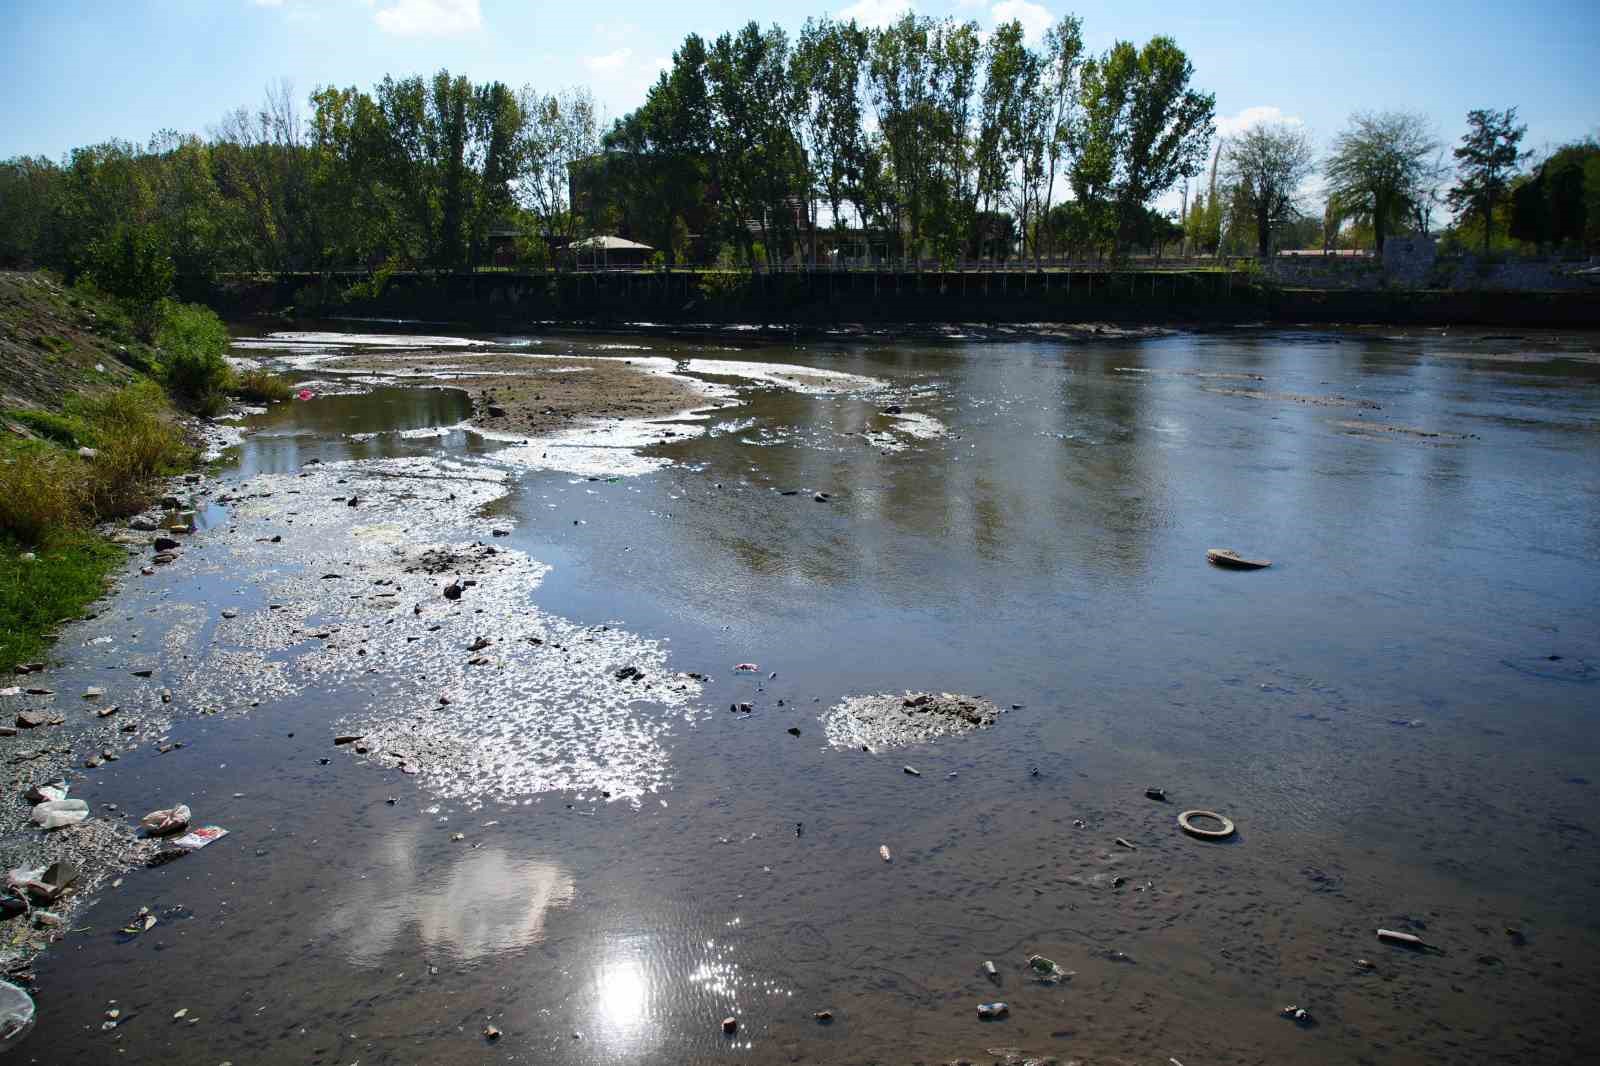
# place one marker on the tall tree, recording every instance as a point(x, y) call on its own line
point(1486, 161)
point(1269, 162)
point(826, 68)
point(559, 135)
point(1054, 119)
point(1380, 168)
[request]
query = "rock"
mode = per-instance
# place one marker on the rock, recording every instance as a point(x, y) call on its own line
point(107, 712)
point(629, 673)
point(452, 591)
point(230, 613)
point(496, 412)
point(823, 1016)
point(171, 503)
point(143, 524)
point(143, 673)
point(163, 558)
point(346, 739)
point(88, 453)
point(479, 644)
point(730, 1025)
point(793, 731)
point(35, 719)
point(93, 692)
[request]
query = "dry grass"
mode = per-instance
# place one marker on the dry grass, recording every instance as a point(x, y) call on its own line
point(258, 386)
point(41, 491)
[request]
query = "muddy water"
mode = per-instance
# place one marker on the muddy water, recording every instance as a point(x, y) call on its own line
point(1398, 715)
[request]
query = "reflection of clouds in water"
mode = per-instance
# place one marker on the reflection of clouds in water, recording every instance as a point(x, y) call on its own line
point(488, 902)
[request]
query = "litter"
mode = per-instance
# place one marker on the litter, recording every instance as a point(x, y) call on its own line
point(491, 1033)
point(988, 968)
point(162, 822)
point(1300, 1015)
point(1127, 844)
point(1156, 794)
point(993, 1010)
point(1396, 937)
point(1047, 971)
point(1232, 560)
point(823, 1016)
point(747, 668)
point(16, 1015)
point(200, 837)
point(45, 793)
point(1186, 823)
point(883, 851)
point(55, 814)
point(912, 770)
point(304, 394)
point(730, 1025)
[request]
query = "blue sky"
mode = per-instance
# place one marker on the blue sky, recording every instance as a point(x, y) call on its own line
point(82, 72)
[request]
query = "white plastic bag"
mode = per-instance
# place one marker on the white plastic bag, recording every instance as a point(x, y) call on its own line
point(53, 814)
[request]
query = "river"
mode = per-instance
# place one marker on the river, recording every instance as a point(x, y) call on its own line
point(1399, 715)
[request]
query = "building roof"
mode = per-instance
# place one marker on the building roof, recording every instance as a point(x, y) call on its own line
point(609, 244)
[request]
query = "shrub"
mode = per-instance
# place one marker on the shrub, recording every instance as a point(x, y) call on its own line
point(258, 386)
point(138, 441)
point(41, 491)
point(194, 345)
point(132, 264)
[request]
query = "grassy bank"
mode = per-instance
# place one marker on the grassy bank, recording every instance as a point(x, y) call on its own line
point(91, 421)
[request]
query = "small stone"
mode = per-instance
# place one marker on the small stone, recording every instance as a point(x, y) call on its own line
point(166, 544)
point(93, 692)
point(230, 613)
point(491, 1033)
point(730, 1025)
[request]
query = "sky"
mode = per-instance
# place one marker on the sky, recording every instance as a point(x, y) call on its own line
point(82, 72)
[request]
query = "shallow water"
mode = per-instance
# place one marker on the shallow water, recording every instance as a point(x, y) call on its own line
point(1380, 713)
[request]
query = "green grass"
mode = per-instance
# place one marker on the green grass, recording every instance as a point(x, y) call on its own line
point(36, 596)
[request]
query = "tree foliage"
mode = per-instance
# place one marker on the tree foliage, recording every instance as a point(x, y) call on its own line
point(1486, 161)
point(1382, 170)
point(1267, 164)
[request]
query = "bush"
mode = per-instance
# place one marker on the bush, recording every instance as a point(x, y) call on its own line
point(132, 264)
point(41, 491)
point(194, 345)
point(258, 386)
point(138, 441)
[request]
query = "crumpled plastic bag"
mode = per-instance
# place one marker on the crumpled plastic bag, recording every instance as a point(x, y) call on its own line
point(54, 814)
point(171, 820)
point(44, 793)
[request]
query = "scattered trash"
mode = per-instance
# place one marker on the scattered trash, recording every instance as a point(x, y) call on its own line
point(93, 692)
point(166, 821)
point(346, 738)
point(199, 838)
point(107, 712)
point(1127, 844)
point(993, 1010)
point(793, 731)
point(142, 922)
point(1046, 970)
point(182, 1012)
point(988, 968)
point(458, 836)
point(304, 394)
point(55, 814)
point(883, 852)
point(1186, 823)
point(1232, 560)
point(730, 1025)
point(912, 770)
point(1300, 1015)
point(1396, 937)
point(491, 1033)
point(823, 1016)
point(747, 668)
point(1366, 964)
point(16, 1015)
point(1156, 794)
point(46, 792)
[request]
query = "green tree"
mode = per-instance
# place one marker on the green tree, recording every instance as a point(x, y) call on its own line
point(1267, 164)
point(826, 69)
point(1486, 161)
point(1381, 168)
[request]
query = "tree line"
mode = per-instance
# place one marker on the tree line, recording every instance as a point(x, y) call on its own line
point(925, 139)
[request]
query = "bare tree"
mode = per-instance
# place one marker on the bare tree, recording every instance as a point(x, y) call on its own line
point(1269, 162)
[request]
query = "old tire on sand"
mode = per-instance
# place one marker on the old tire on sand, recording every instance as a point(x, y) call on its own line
point(1188, 826)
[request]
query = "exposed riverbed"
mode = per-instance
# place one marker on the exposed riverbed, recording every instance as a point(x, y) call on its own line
point(571, 816)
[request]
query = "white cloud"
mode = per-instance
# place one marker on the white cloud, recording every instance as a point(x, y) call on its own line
point(615, 31)
point(1230, 125)
point(1034, 18)
point(267, 3)
point(877, 13)
point(610, 63)
point(417, 18)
